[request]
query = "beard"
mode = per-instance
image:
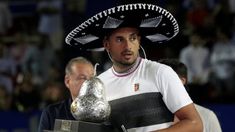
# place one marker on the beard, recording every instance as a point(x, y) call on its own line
point(126, 60)
point(125, 63)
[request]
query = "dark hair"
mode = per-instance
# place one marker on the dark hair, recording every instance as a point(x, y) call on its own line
point(109, 32)
point(179, 67)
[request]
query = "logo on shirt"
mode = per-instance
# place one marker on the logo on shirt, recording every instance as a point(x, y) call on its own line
point(136, 87)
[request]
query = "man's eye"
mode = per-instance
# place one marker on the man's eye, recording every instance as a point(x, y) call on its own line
point(133, 38)
point(81, 78)
point(119, 40)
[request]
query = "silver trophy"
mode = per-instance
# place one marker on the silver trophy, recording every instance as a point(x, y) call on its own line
point(91, 105)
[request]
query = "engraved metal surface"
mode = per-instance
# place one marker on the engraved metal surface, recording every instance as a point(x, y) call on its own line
point(91, 104)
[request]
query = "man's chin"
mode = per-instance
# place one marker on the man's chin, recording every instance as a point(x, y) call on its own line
point(128, 62)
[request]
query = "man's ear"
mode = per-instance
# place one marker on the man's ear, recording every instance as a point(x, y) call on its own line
point(139, 39)
point(105, 44)
point(66, 81)
point(184, 80)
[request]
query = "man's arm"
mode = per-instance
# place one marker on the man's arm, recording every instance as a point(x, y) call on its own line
point(44, 123)
point(189, 121)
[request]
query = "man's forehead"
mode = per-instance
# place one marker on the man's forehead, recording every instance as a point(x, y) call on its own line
point(125, 30)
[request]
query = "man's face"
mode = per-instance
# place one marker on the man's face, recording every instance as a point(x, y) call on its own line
point(123, 45)
point(80, 73)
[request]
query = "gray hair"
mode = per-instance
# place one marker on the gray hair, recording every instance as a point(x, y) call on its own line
point(82, 60)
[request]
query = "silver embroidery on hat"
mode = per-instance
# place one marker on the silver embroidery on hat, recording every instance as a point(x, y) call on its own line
point(146, 15)
point(151, 22)
point(157, 37)
point(112, 22)
point(120, 8)
point(135, 6)
point(111, 10)
point(86, 39)
point(116, 22)
point(131, 7)
point(96, 49)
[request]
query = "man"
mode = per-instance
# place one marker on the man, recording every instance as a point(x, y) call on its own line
point(8, 69)
point(144, 95)
point(77, 71)
point(209, 119)
point(132, 81)
point(50, 21)
point(196, 57)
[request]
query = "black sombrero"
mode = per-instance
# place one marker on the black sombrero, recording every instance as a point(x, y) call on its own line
point(155, 24)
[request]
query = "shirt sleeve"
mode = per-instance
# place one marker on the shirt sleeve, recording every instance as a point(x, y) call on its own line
point(173, 91)
point(213, 122)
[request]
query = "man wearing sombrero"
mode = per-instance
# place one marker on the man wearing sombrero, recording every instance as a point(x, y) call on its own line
point(144, 95)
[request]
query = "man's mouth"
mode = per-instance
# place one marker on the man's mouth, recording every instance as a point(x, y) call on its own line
point(127, 55)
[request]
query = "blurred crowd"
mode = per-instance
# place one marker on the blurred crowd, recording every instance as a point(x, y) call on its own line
point(33, 53)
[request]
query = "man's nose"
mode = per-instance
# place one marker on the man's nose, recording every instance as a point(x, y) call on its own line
point(128, 44)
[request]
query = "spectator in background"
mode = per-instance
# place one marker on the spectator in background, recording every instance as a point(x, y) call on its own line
point(197, 14)
point(5, 18)
point(77, 71)
point(196, 57)
point(223, 65)
point(18, 47)
point(222, 15)
point(50, 21)
point(39, 59)
point(26, 97)
point(7, 69)
point(209, 118)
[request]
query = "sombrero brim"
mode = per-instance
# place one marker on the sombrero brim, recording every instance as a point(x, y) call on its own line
point(155, 24)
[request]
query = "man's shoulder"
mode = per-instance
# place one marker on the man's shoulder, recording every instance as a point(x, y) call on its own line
point(187, 50)
point(104, 74)
point(56, 106)
point(149, 64)
point(204, 110)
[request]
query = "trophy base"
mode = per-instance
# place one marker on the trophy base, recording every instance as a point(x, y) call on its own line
point(80, 126)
